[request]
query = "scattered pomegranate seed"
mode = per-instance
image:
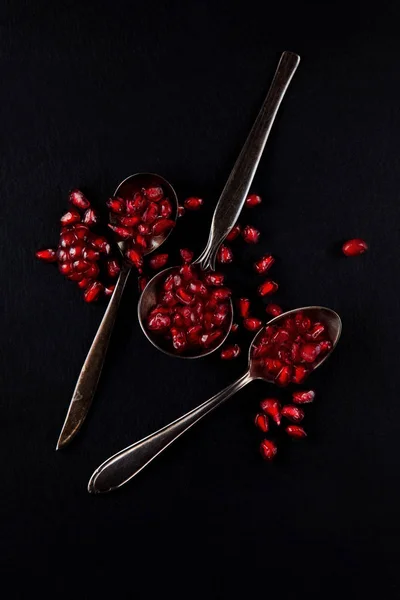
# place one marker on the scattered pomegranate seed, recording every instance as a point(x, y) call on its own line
point(113, 267)
point(243, 305)
point(90, 217)
point(81, 231)
point(261, 421)
point(67, 238)
point(90, 254)
point(293, 413)
point(181, 211)
point(272, 408)
point(224, 255)
point(158, 261)
point(230, 352)
point(135, 258)
point(162, 226)
point(234, 327)
point(65, 268)
point(70, 217)
point(250, 234)
point(158, 322)
point(310, 352)
point(84, 283)
point(268, 449)
point(253, 200)
point(187, 255)
point(179, 341)
point(125, 233)
point(193, 203)
point(267, 288)
point(109, 290)
point(214, 279)
point(295, 431)
point(150, 214)
point(48, 255)
point(116, 205)
point(325, 346)
point(93, 291)
point(300, 373)
point(142, 282)
point(252, 324)
point(234, 233)
point(154, 193)
point(101, 243)
point(303, 397)
point(262, 265)
point(354, 247)
point(273, 309)
point(78, 199)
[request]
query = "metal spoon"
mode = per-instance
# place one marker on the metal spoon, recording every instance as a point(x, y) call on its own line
point(231, 200)
point(90, 373)
point(127, 463)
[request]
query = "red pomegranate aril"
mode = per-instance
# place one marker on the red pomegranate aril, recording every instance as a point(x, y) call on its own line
point(186, 254)
point(181, 211)
point(76, 250)
point(268, 450)
point(295, 431)
point(309, 352)
point(165, 208)
point(295, 352)
point(90, 254)
point(150, 214)
point(193, 203)
point(141, 241)
point(252, 324)
point(135, 257)
point(90, 217)
point(65, 268)
point(234, 233)
point(317, 330)
point(93, 291)
point(234, 327)
point(354, 247)
point(109, 290)
point(125, 233)
point(231, 352)
point(48, 255)
point(198, 308)
point(300, 373)
point(267, 288)
point(116, 205)
point(293, 413)
point(78, 199)
point(163, 225)
point(214, 279)
point(193, 335)
point(219, 318)
point(142, 282)
point(210, 339)
point(184, 296)
point(221, 293)
point(208, 321)
point(67, 238)
point(168, 284)
point(101, 244)
point(272, 408)
point(261, 421)
point(186, 272)
point(84, 283)
point(273, 309)
point(325, 346)
point(303, 397)
point(158, 261)
point(243, 305)
point(81, 265)
point(263, 265)
point(81, 231)
point(197, 287)
point(281, 336)
point(70, 217)
point(139, 202)
point(75, 276)
point(132, 222)
point(179, 341)
point(158, 322)
point(224, 255)
point(93, 271)
point(284, 376)
point(113, 267)
point(252, 200)
point(62, 255)
point(154, 193)
point(250, 234)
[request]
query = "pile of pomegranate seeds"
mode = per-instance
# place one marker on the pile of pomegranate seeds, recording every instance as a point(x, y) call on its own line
point(354, 247)
point(139, 219)
point(82, 255)
point(193, 310)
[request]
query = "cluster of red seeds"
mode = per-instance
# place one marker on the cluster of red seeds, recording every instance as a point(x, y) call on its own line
point(82, 255)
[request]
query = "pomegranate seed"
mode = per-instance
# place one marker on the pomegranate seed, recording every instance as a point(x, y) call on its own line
point(48, 255)
point(293, 413)
point(317, 330)
point(187, 255)
point(230, 352)
point(262, 265)
point(221, 293)
point(154, 193)
point(252, 324)
point(113, 267)
point(150, 214)
point(158, 322)
point(284, 376)
point(93, 291)
point(299, 374)
point(101, 244)
point(273, 309)
point(214, 279)
point(181, 211)
point(303, 397)
point(243, 305)
point(261, 421)
point(186, 272)
point(197, 287)
point(116, 205)
point(193, 335)
point(193, 203)
point(165, 208)
point(90, 217)
point(84, 283)
point(219, 317)
point(90, 254)
point(76, 276)
point(272, 365)
point(268, 449)
point(65, 268)
point(267, 288)
point(272, 408)
point(67, 238)
point(162, 226)
point(131, 222)
point(142, 282)
point(354, 247)
point(210, 339)
point(76, 250)
point(234, 233)
point(158, 261)
point(310, 352)
point(281, 336)
point(125, 233)
point(224, 255)
point(81, 231)
point(139, 202)
point(325, 346)
point(109, 290)
point(234, 327)
point(135, 258)
point(253, 200)
point(81, 265)
point(141, 241)
point(179, 341)
point(295, 352)
point(183, 295)
point(70, 217)
point(62, 255)
point(78, 199)
point(295, 431)
point(250, 234)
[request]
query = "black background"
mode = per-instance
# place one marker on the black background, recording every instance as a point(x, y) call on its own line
point(94, 91)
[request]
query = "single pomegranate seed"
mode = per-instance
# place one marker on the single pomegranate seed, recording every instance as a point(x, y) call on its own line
point(234, 327)
point(219, 317)
point(70, 217)
point(131, 222)
point(230, 352)
point(81, 265)
point(234, 233)
point(179, 341)
point(262, 265)
point(316, 330)
point(221, 293)
point(186, 272)
point(144, 229)
point(224, 255)
point(165, 208)
point(295, 431)
point(309, 352)
point(116, 205)
point(109, 290)
point(272, 408)
point(181, 211)
point(281, 336)
point(193, 203)
point(354, 247)
point(113, 267)
point(197, 287)
point(214, 278)
point(158, 261)
point(93, 291)
point(295, 352)
point(125, 233)
point(67, 238)
point(90, 217)
point(154, 193)
point(48, 255)
point(267, 288)
point(81, 231)
point(268, 449)
point(158, 322)
point(300, 373)
point(141, 241)
point(253, 200)
point(75, 276)
point(293, 413)
point(325, 346)
point(90, 254)
point(76, 250)
point(162, 226)
point(184, 296)
point(272, 365)
point(135, 257)
point(243, 305)
point(142, 282)
point(211, 339)
point(250, 234)
point(273, 309)
point(101, 244)
point(65, 268)
point(150, 214)
point(84, 283)
point(284, 376)
point(187, 255)
point(303, 397)
point(193, 335)
point(62, 255)
point(78, 199)
point(252, 324)
point(139, 202)
point(261, 421)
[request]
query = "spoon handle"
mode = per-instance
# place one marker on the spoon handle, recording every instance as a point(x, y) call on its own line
point(237, 187)
point(91, 370)
point(124, 465)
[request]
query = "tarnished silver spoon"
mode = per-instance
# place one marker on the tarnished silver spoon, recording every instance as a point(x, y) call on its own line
point(91, 370)
point(127, 463)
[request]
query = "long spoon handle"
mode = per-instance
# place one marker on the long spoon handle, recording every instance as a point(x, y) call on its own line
point(237, 187)
point(124, 465)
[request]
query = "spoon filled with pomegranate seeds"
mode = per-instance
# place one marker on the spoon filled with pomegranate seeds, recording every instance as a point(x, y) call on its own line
point(186, 311)
point(143, 212)
point(288, 349)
